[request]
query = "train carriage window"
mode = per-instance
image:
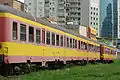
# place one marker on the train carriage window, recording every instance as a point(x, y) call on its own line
point(53, 38)
point(98, 49)
point(43, 36)
point(82, 45)
point(61, 40)
point(85, 46)
point(38, 40)
point(79, 44)
point(71, 44)
point(67, 42)
point(15, 31)
point(22, 32)
point(57, 40)
point(75, 43)
point(31, 34)
point(48, 38)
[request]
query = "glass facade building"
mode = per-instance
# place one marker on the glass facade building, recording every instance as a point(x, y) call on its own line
point(108, 19)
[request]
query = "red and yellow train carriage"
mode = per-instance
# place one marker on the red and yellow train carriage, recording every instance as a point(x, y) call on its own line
point(108, 53)
point(27, 39)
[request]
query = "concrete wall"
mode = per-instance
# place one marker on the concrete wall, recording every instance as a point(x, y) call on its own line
point(84, 12)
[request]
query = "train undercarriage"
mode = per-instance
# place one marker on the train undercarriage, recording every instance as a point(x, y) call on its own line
point(25, 68)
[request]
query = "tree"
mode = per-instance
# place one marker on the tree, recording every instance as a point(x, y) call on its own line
point(107, 42)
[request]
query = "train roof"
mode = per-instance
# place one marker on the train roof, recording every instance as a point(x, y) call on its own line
point(16, 12)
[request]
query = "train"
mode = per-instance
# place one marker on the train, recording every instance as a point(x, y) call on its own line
point(27, 41)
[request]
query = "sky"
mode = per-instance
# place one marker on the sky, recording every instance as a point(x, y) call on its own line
point(21, 0)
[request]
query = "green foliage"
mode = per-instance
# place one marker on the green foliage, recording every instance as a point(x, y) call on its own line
point(107, 42)
point(117, 61)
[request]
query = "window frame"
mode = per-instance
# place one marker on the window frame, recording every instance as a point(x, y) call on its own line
point(43, 36)
point(61, 41)
point(48, 40)
point(38, 42)
point(14, 31)
point(23, 33)
point(31, 36)
point(57, 43)
point(52, 39)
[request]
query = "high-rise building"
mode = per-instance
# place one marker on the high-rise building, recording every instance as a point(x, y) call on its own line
point(79, 12)
point(75, 12)
point(90, 14)
point(118, 19)
point(108, 19)
point(42, 8)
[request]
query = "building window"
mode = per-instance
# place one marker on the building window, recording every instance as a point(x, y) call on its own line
point(22, 32)
point(15, 31)
point(29, 3)
point(97, 9)
point(38, 40)
point(96, 13)
point(6, 4)
point(91, 8)
point(61, 40)
point(91, 23)
point(57, 40)
point(91, 18)
point(31, 34)
point(53, 38)
point(48, 38)
point(96, 23)
point(91, 12)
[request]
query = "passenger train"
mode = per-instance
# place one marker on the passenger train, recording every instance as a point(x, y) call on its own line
point(27, 40)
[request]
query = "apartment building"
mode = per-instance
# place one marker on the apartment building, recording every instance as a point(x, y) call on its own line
point(42, 8)
point(75, 12)
point(118, 7)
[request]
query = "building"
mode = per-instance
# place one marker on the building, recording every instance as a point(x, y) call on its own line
point(108, 19)
point(78, 12)
point(42, 8)
point(90, 14)
point(14, 3)
point(118, 19)
point(91, 33)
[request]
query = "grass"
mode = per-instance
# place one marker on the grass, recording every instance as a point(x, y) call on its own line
point(89, 72)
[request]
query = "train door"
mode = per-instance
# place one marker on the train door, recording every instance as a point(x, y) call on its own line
point(65, 44)
point(58, 50)
point(43, 43)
